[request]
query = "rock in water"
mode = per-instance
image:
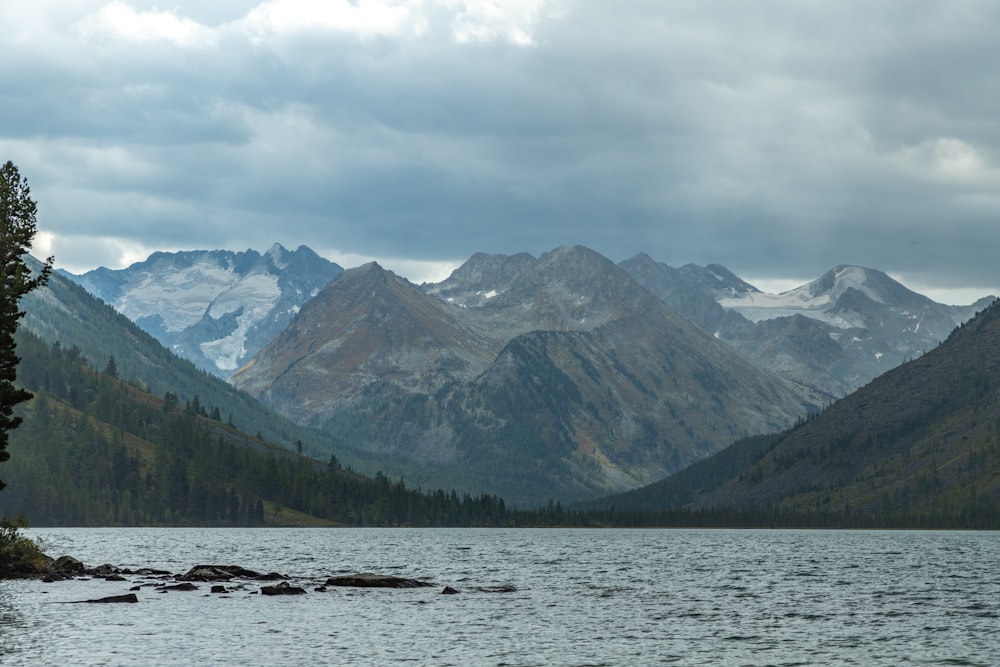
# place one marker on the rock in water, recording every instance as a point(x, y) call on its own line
point(282, 589)
point(368, 580)
point(67, 566)
point(186, 586)
point(129, 597)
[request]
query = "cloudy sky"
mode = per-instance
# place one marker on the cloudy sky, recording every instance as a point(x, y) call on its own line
point(779, 138)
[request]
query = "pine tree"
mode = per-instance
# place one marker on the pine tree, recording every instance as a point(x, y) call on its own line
point(17, 230)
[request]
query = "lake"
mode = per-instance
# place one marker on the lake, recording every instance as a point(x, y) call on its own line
point(527, 597)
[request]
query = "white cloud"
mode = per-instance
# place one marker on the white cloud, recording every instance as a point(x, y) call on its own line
point(415, 271)
point(41, 247)
point(952, 296)
point(120, 21)
point(947, 159)
point(763, 136)
point(366, 19)
point(513, 21)
point(954, 158)
point(79, 253)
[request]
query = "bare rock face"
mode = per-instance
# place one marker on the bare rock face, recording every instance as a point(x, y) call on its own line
point(367, 327)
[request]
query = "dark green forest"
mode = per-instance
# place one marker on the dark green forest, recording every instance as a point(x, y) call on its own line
point(94, 450)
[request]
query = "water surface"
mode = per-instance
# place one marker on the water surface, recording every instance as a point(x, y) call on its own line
point(528, 597)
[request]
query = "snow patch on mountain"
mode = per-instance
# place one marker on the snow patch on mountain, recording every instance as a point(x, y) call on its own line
point(179, 297)
point(216, 308)
point(815, 299)
point(256, 293)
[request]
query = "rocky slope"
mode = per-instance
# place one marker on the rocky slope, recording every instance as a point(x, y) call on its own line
point(556, 377)
point(828, 337)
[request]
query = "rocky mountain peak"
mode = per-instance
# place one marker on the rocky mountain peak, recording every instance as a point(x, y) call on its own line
point(480, 278)
point(570, 376)
point(216, 308)
point(874, 284)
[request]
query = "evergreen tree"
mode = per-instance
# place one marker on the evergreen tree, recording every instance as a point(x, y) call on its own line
point(17, 230)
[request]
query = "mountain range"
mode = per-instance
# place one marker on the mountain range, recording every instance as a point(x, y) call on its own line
point(827, 337)
point(563, 376)
point(555, 377)
point(216, 308)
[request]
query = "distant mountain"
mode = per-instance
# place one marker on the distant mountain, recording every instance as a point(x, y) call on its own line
point(919, 442)
point(556, 377)
point(63, 313)
point(827, 337)
point(216, 308)
point(367, 327)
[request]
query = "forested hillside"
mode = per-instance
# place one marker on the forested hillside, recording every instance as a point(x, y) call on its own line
point(918, 446)
point(94, 450)
point(62, 312)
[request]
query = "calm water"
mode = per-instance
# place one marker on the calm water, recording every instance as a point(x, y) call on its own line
point(583, 597)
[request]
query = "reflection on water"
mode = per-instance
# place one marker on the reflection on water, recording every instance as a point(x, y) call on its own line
point(528, 597)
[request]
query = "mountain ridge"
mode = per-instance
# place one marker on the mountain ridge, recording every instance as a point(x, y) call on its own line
point(556, 387)
point(829, 336)
point(216, 308)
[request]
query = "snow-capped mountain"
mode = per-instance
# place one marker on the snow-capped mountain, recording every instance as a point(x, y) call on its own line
point(837, 298)
point(531, 378)
point(829, 336)
point(217, 308)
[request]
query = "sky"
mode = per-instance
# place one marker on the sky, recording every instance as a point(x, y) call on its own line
point(777, 138)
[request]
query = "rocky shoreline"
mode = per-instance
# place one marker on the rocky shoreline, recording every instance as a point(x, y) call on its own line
point(221, 580)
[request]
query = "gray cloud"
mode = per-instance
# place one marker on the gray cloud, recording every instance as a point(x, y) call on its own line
point(777, 138)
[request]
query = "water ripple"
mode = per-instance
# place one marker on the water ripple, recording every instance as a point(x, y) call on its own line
point(528, 597)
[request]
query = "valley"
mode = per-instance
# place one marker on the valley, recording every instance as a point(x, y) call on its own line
point(564, 377)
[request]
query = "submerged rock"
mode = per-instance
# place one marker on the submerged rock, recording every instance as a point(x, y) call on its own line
point(225, 573)
point(129, 597)
point(186, 586)
point(148, 572)
point(505, 588)
point(282, 589)
point(368, 580)
point(106, 570)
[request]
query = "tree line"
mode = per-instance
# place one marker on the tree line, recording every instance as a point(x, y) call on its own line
point(94, 450)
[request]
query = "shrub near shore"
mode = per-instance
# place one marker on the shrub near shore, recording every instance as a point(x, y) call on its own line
point(19, 555)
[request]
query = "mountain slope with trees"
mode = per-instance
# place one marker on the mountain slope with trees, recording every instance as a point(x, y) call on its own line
point(95, 450)
point(63, 312)
point(920, 443)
